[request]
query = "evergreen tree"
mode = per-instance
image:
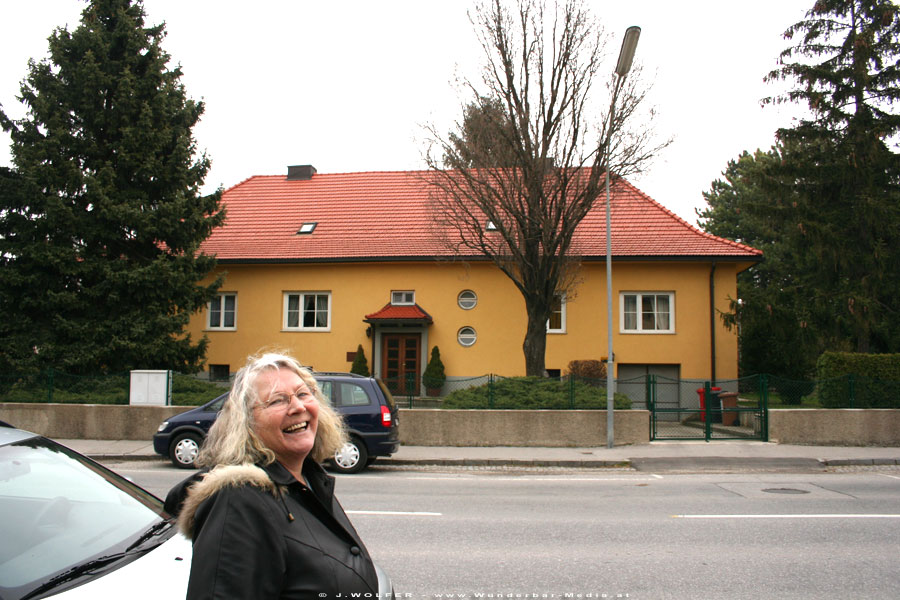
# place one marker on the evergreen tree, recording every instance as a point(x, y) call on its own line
point(360, 365)
point(844, 63)
point(771, 313)
point(103, 217)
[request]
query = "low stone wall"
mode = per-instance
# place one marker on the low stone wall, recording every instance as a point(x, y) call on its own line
point(438, 427)
point(88, 421)
point(548, 428)
point(835, 427)
point(418, 427)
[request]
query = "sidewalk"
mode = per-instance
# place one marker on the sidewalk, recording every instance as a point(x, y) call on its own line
point(726, 452)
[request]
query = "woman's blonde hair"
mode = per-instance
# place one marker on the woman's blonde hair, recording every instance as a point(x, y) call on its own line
point(231, 439)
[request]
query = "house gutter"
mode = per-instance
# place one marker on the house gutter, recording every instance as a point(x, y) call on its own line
point(712, 322)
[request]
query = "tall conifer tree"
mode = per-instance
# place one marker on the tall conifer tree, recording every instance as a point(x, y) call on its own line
point(844, 65)
point(102, 218)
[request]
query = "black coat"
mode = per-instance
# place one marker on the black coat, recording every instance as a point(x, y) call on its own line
point(259, 533)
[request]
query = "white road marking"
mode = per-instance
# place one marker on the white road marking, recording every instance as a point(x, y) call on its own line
point(395, 513)
point(824, 516)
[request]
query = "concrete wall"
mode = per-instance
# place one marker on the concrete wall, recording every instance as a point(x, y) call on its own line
point(835, 427)
point(418, 427)
point(437, 427)
point(88, 421)
point(563, 428)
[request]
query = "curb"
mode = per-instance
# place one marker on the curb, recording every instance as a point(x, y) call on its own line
point(843, 462)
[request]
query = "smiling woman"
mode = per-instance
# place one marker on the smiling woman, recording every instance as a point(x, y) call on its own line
point(263, 518)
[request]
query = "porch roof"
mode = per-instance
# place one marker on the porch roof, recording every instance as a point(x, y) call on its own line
point(405, 314)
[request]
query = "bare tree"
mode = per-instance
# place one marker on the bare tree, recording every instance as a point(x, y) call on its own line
point(528, 160)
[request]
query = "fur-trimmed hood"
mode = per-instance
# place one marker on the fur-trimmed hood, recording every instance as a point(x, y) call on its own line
point(218, 478)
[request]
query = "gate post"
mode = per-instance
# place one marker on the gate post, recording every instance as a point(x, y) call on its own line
point(491, 391)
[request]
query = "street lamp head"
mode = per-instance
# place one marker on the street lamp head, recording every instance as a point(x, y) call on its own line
point(626, 54)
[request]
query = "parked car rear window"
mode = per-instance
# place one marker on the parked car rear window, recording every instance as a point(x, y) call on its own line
point(353, 394)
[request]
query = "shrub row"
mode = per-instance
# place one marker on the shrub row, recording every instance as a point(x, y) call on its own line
point(105, 389)
point(534, 393)
point(854, 380)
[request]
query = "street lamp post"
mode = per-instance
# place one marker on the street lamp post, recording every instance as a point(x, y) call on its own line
point(626, 56)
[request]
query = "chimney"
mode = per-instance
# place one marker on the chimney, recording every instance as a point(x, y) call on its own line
point(300, 172)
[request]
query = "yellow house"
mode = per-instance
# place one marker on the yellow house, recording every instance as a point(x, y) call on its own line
point(319, 264)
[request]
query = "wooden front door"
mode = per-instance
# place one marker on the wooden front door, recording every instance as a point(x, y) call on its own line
point(401, 360)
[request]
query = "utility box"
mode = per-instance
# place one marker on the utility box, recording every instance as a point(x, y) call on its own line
point(151, 388)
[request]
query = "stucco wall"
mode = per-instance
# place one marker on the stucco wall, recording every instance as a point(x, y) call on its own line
point(499, 317)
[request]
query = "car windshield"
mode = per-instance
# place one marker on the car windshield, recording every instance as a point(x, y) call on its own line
point(59, 510)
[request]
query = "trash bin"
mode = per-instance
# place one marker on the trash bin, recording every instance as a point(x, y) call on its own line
point(715, 406)
point(729, 400)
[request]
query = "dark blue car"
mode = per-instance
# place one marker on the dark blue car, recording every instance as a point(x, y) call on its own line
point(365, 402)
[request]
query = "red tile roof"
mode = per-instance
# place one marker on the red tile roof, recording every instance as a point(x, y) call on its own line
point(385, 215)
point(400, 312)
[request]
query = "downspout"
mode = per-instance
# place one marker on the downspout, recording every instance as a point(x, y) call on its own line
point(712, 322)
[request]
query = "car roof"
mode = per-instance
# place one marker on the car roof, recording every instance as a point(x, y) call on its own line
point(318, 374)
point(11, 435)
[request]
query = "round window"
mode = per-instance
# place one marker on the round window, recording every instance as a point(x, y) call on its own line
point(467, 299)
point(466, 336)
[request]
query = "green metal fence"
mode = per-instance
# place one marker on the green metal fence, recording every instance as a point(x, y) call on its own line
point(698, 409)
point(671, 399)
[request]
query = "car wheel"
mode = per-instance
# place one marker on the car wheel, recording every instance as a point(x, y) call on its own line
point(351, 457)
point(184, 450)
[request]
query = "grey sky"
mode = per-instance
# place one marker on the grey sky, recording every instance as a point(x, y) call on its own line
point(346, 86)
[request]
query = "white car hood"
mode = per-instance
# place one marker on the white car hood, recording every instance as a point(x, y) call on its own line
point(161, 573)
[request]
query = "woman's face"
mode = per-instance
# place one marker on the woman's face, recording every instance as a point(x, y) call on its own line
point(286, 416)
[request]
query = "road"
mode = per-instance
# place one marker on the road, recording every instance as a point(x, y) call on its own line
point(469, 533)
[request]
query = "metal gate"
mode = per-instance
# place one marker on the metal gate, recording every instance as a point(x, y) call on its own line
point(703, 410)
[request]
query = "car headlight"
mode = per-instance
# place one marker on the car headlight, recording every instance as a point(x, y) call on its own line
point(162, 426)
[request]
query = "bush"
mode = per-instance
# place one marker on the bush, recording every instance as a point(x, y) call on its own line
point(360, 364)
point(190, 391)
point(104, 389)
point(533, 393)
point(434, 376)
point(588, 369)
point(854, 380)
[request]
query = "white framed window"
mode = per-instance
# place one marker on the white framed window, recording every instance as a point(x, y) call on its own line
point(647, 312)
point(222, 312)
point(557, 321)
point(403, 297)
point(467, 299)
point(466, 336)
point(307, 311)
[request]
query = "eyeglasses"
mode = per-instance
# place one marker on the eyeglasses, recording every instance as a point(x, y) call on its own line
point(281, 401)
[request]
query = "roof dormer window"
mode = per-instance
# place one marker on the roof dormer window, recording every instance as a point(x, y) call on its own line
point(403, 298)
point(306, 228)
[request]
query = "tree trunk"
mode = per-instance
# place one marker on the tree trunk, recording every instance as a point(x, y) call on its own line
point(535, 344)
